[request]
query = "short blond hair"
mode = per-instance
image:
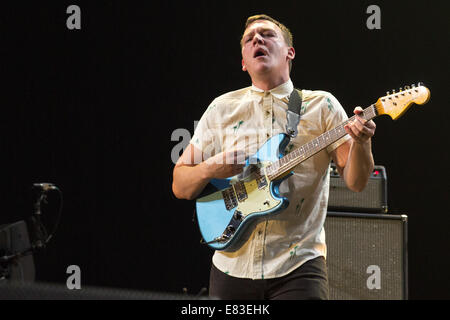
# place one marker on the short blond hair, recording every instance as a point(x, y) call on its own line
point(287, 35)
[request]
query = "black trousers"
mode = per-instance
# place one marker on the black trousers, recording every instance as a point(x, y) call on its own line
point(308, 282)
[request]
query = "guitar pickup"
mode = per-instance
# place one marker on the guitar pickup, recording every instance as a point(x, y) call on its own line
point(229, 198)
point(262, 182)
point(241, 193)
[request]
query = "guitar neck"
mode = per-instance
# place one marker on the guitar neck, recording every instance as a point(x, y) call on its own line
point(297, 156)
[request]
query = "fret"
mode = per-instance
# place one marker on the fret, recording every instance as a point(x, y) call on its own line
point(316, 143)
point(320, 139)
point(332, 133)
point(290, 157)
point(272, 168)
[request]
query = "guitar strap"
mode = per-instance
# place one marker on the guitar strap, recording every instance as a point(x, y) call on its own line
point(293, 113)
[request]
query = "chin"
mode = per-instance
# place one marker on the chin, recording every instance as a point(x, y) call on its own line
point(262, 68)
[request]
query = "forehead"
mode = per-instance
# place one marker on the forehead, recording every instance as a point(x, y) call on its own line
point(261, 25)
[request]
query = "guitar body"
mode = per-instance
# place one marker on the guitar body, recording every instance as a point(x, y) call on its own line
point(228, 207)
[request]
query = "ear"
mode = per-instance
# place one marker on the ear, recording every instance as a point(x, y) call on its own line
point(291, 53)
point(243, 65)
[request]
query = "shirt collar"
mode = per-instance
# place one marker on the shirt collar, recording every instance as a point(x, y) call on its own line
point(280, 92)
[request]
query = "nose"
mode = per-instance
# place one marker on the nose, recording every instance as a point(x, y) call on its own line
point(257, 38)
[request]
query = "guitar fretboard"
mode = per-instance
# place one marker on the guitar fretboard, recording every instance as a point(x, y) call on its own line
point(289, 161)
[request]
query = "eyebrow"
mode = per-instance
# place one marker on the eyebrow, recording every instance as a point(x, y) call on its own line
point(260, 29)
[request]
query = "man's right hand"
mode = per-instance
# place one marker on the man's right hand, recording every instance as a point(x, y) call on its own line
point(225, 164)
point(189, 178)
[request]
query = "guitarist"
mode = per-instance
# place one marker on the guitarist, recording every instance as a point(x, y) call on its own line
point(284, 257)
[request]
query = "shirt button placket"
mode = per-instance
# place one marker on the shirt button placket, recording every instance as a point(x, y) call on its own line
point(257, 261)
point(267, 109)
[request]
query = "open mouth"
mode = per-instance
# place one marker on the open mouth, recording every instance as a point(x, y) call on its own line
point(259, 53)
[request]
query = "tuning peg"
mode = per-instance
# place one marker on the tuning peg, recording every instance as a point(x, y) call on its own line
point(413, 85)
point(400, 89)
point(393, 91)
point(407, 87)
point(388, 93)
point(420, 84)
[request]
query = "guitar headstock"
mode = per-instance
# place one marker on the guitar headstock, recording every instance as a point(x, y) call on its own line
point(395, 104)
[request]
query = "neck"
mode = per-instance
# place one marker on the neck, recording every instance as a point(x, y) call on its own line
point(268, 82)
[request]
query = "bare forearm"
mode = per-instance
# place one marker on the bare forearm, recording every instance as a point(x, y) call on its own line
point(359, 165)
point(189, 181)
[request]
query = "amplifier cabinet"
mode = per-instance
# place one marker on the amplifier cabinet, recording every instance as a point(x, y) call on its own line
point(367, 256)
point(372, 199)
point(14, 239)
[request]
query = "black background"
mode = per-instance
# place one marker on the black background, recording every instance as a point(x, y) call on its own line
point(93, 111)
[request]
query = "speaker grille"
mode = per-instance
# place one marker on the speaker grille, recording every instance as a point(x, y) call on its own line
point(366, 256)
point(372, 199)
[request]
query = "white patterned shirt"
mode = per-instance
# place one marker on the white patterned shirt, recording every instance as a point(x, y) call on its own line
point(244, 119)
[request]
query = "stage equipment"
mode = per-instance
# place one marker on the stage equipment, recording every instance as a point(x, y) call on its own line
point(367, 256)
point(19, 240)
point(372, 199)
point(16, 259)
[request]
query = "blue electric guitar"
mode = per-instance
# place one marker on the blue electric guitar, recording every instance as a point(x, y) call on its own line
point(228, 208)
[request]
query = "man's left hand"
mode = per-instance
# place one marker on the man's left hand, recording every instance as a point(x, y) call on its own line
point(360, 129)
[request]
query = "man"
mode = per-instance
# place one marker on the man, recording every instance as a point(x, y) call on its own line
point(284, 257)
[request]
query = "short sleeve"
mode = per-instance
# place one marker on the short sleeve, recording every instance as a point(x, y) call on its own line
point(204, 137)
point(334, 115)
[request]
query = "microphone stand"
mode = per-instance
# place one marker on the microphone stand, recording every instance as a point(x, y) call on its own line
point(39, 233)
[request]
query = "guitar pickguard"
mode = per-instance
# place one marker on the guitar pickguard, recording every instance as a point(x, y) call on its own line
point(259, 199)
